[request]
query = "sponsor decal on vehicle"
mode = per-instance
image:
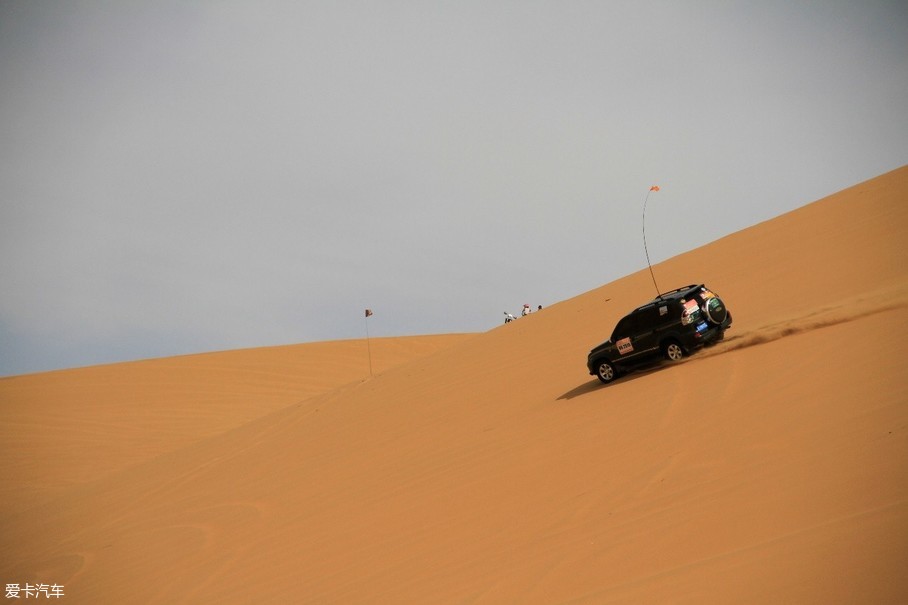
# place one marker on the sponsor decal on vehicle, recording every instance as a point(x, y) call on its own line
point(663, 310)
point(624, 346)
point(690, 312)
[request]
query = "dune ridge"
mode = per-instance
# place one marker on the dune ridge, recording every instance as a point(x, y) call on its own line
point(772, 467)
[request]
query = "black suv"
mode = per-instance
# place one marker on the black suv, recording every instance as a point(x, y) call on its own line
point(671, 325)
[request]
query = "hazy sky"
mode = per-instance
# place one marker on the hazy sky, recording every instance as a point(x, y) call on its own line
point(180, 177)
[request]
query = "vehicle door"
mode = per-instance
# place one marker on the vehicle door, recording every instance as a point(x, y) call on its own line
point(633, 337)
point(646, 332)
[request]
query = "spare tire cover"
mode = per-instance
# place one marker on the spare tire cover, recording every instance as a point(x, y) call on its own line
point(715, 310)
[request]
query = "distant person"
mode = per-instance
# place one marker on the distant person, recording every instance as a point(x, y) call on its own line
point(540, 308)
point(526, 310)
point(508, 318)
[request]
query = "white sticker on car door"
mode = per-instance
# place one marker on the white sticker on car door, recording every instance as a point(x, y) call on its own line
point(624, 346)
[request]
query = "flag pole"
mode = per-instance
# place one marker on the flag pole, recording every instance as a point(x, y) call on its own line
point(648, 264)
point(368, 341)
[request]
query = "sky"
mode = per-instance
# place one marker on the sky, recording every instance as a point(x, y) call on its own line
point(183, 177)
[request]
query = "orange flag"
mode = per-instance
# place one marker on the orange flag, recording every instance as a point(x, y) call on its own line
point(654, 188)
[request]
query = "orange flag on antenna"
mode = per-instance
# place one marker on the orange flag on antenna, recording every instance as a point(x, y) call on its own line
point(654, 188)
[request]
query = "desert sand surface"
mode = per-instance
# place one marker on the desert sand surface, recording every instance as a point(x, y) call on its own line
point(59, 429)
point(492, 468)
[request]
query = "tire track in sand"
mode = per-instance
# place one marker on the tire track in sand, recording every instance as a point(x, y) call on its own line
point(830, 316)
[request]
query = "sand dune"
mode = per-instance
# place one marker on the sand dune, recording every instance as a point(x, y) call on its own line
point(61, 429)
point(492, 468)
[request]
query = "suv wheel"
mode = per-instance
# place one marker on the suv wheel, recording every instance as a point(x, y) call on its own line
point(606, 371)
point(672, 351)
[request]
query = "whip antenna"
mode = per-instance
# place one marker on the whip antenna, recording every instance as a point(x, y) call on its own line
point(648, 264)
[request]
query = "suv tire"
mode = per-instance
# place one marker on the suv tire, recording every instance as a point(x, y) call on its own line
point(672, 350)
point(606, 372)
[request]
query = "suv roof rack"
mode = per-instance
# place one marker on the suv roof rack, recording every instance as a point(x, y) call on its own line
point(669, 294)
point(676, 290)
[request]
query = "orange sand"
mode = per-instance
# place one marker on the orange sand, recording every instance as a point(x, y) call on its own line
point(491, 468)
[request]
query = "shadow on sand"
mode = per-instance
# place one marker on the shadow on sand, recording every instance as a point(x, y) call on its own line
point(594, 385)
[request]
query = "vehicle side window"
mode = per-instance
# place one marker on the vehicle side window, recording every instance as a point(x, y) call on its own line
point(635, 324)
point(646, 320)
point(624, 328)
